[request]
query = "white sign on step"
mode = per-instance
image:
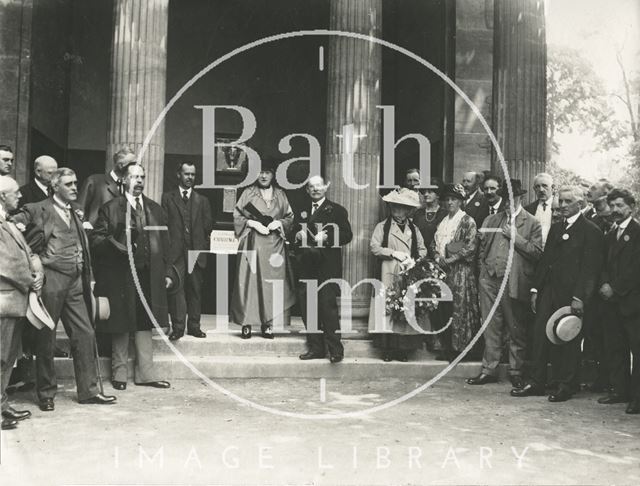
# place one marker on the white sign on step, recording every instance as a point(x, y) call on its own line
point(224, 242)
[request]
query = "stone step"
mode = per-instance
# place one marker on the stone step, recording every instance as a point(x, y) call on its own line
point(215, 367)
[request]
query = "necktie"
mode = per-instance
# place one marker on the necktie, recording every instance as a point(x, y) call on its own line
point(67, 214)
point(138, 205)
point(620, 231)
point(544, 206)
point(120, 187)
point(492, 210)
point(49, 191)
point(314, 207)
point(185, 196)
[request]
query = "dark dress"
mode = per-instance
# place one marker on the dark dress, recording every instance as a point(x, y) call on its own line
point(427, 222)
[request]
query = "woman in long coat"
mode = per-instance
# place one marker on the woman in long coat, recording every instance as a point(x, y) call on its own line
point(395, 241)
point(454, 249)
point(262, 217)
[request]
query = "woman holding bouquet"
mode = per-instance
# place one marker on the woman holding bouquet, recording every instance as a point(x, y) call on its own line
point(397, 243)
point(261, 218)
point(454, 249)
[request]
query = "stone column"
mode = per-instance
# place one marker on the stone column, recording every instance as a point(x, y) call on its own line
point(15, 65)
point(354, 72)
point(138, 83)
point(520, 87)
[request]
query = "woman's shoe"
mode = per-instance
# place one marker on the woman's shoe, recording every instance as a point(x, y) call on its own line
point(386, 357)
point(267, 332)
point(246, 332)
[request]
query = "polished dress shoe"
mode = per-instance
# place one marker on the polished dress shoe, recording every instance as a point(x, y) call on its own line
point(561, 396)
point(174, 336)
point(336, 358)
point(46, 405)
point(310, 355)
point(482, 379)
point(528, 390)
point(99, 399)
point(516, 381)
point(612, 398)
point(13, 414)
point(198, 333)
point(59, 353)
point(119, 385)
point(156, 384)
point(634, 407)
point(8, 424)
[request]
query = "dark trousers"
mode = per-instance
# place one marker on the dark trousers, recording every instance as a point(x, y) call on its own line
point(63, 297)
point(328, 320)
point(187, 300)
point(622, 338)
point(564, 358)
point(10, 335)
point(594, 354)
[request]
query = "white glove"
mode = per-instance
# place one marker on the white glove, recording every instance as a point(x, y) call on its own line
point(400, 255)
point(274, 225)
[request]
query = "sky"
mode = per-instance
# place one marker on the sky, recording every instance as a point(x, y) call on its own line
point(597, 28)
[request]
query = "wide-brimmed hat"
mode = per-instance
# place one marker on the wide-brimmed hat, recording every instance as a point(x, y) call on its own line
point(37, 313)
point(404, 197)
point(516, 187)
point(100, 308)
point(452, 190)
point(563, 326)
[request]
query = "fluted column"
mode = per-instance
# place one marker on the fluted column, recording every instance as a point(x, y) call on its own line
point(354, 72)
point(519, 87)
point(138, 83)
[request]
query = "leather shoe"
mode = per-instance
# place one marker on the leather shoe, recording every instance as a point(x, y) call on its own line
point(561, 396)
point(516, 381)
point(46, 405)
point(634, 407)
point(528, 390)
point(8, 424)
point(336, 359)
point(59, 353)
point(174, 336)
point(13, 414)
point(156, 384)
point(310, 355)
point(612, 398)
point(482, 379)
point(99, 399)
point(119, 385)
point(198, 333)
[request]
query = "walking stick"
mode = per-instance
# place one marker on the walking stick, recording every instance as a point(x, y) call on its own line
point(98, 370)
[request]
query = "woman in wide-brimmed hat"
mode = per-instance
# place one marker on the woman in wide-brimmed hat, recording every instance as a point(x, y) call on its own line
point(396, 241)
point(454, 248)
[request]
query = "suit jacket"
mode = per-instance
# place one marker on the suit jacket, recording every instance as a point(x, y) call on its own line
point(622, 268)
point(323, 262)
point(484, 211)
point(38, 219)
point(97, 190)
point(18, 269)
point(571, 262)
point(527, 250)
point(113, 271)
point(473, 208)
point(201, 225)
point(31, 193)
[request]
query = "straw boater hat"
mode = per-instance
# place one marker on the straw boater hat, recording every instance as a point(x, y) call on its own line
point(37, 313)
point(563, 326)
point(403, 197)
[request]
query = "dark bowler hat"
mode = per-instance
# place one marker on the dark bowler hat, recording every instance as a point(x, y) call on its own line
point(452, 190)
point(516, 187)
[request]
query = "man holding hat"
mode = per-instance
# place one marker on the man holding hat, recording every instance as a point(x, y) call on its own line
point(566, 276)
point(20, 271)
point(513, 311)
point(620, 290)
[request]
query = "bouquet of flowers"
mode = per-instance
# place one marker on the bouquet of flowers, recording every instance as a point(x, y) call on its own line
point(397, 298)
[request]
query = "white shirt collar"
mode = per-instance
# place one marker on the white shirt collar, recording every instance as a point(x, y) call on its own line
point(132, 199)
point(319, 203)
point(114, 176)
point(3, 213)
point(42, 187)
point(625, 223)
point(472, 195)
point(573, 219)
point(496, 206)
point(182, 189)
point(548, 203)
point(59, 202)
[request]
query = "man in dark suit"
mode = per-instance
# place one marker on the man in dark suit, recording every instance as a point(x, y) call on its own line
point(493, 202)
point(474, 197)
point(596, 196)
point(567, 274)
point(114, 277)
point(39, 188)
point(6, 160)
point(54, 232)
point(620, 289)
point(190, 224)
point(99, 189)
point(20, 272)
point(322, 229)
point(542, 207)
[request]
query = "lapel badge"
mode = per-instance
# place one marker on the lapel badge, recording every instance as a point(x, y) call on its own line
point(303, 215)
point(565, 237)
point(626, 238)
point(477, 204)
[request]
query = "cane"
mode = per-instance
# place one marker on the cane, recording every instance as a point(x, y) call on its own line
point(98, 369)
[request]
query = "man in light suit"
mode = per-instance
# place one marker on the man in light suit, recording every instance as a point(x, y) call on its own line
point(99, 189)
point(55, 232)
point(474, 197)
point(190, 224)
point(567, 275)
point(620, 290)
point(20, 271)
point(513, 309)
